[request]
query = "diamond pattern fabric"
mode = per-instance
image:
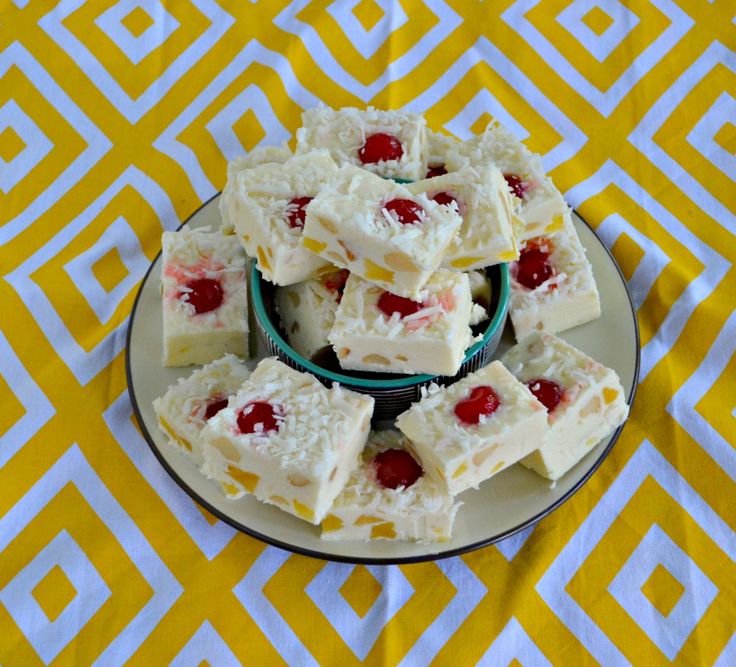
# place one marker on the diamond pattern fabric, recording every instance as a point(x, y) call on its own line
point(117, 119)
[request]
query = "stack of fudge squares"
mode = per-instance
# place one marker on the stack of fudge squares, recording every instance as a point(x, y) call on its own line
point(376, 232)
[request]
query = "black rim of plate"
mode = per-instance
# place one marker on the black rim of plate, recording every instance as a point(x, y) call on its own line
point(440, 555)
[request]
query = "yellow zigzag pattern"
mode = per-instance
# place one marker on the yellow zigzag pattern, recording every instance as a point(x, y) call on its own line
point(117, 119)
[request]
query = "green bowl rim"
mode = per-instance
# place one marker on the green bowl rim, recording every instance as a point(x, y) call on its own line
point(400, 383)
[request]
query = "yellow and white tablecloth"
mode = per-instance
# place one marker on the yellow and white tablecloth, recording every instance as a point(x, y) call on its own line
point(117, 118)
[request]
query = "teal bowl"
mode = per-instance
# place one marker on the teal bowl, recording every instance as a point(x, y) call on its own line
point(393, 393)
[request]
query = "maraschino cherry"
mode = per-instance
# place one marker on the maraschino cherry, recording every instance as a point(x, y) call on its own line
point(481, 401)
point(214, 406)
point(445, 199)
point(205, 294)
point(380, 146)
point(335, 282)
point(533, 267)
point(439, 170)
point(395, 468)
point(297, 212)
point(407, 212)
point(516, 184)
point(389, 304)
point(547, 392)
point(258, 412)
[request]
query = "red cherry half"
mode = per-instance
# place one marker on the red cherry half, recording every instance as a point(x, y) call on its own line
point(380, 146)
point(206, 294)
point(213, 407)
point(258, 412)
point(517, 185)
point(297, 212)
point(389, 304)
point(395, 468)
point(446, 199)
point(406, 211)
point(336, 281)
point(547, 392)
point(439, 170)
point(533, 267)
point(481, 401)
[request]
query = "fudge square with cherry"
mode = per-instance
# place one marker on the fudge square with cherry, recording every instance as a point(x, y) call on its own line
point(378, 331)
point(389, 497)
point(185, 408)
point(379, 231)
point(204, 297)
point(585, 401)
point(466, 433)
point(267, 205)
point(287, 439)
point(391, 144)
point(541, 206)
point(552, 284)
point(483, 201)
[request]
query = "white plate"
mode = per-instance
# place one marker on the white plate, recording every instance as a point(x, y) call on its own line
point(505, 504)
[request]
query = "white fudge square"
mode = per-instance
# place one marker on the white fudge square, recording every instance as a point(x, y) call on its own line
point(305, 463)
point(307, 311)
point(261, 205)
point(565, 300)
point(349, 224)
point(484, 202)
point(367, 510)
point(541, 204)
point(182, 410)
point(432, 340)
point(591, 407)
point(198, 269)
point(462, 455)
point(259, 155)
point(344, 133)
